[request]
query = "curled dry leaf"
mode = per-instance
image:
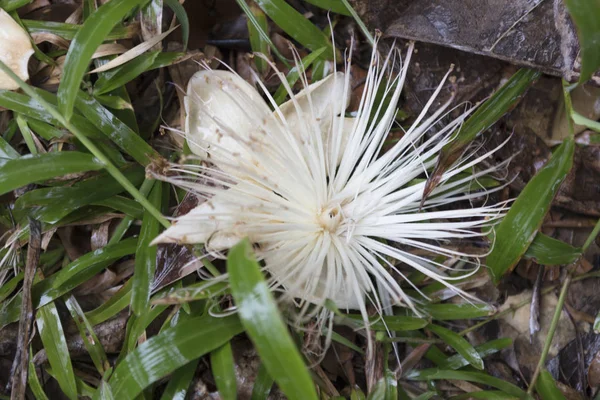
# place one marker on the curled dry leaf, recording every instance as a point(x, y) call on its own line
point(15, 50)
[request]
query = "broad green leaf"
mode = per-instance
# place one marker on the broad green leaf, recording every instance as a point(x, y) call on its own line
point(68, 31)
point(264, 325)
point(223, 369)
point(145, 256)
point(68, 278)
point(27, 169)
point(296, 25)
point(549, 251)
point(262, 384)
point(116, 130)
point(449, 311)
point(92, 33)
point(336, 6)
point(586, 15)
point(546, 387)
point(483, 118)
point(493, 346)
point(55, 344)
point(477, 377)
point(459, 344)
point(293, 76)
point(169, 350)
point(520, 225)
point(180, 382)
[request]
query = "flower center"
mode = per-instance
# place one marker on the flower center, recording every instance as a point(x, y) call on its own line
point(330, 218)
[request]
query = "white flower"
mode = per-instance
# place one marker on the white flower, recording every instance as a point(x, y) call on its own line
point(15, 50)
point(332, 214)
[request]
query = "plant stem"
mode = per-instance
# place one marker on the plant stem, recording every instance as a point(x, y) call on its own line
point(551, 331)
point(114, 171)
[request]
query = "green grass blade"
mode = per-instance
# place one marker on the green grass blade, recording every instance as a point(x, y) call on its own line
point(68, 31)
point(182, 17)
point(485, 394)
point(180, 382)
point(459, 344)
point(40, 167)
point(336, 6)
point(477, 377)
point(549, 251)
point(145, 256)
point(34, 382)
point(170, 350)
point(293, 76)
point(262, 384)
point(119, 76)
point(11, 5)
point(264, 325)
point(449, 312)
point(223, 370)
point(91, 34)
point(257, 43)
point(296, 25)
point(394, 323)
point(586, 15)
point(546, 387)
point(55, 344)
point(115, 129)
point(484, 117)
point(118, 302)
point(493, 346)
point(520, 225)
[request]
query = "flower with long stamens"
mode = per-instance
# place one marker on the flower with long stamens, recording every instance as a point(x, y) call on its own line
point(332, 213)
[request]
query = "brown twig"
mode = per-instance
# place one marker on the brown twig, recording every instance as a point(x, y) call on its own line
point(19, 367)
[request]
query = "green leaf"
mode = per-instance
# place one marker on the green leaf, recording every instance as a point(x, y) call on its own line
point(11, 5)
point(118, 302)
point(223, 370)
point(92, 33)
point(586, 15)
point(379, 391)
point(145, 256)
point(68, 278)
point(127, 72)
point(68, 31)
point(27, 169)
point(449, 312)
point(477, 377)
point(546, 387)
point(265, 327)
point(33, 381)
point(485, 394)
point(180, 382)
point(182, 17)
point(588, 123)
point(262, 384)
point(169, 350)
point(459, 344)
point(520, 225)
point(549, 251)
point(493, 346)
point(296, 25)
point(484, 117)
point(396, 323)
point(336, 6)
point(55, 344)
point(116, 130)
point(198, 291)
point(257, 43)
point(293, 75)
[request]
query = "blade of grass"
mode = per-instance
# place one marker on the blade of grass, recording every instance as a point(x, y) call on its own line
point(546, 387)
point(68, 31)
point(180, 382)
point(119, 76)
point(145, 256)
point(549, 251)
point(91, 34)
point(55, 344)
point(223, 369)
point(257, 43)
point(34, 382)
point(336, 6)
point(586, 15)
point(262, 384)
point(449, 312)
point(520, 225)
point(118, 302)
point(114, 171)
point(459, 344)
point(293, 76)
point(182, 17)
point(27, 169)
point(264, 325)
point(170, 350)
point(493, 346)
